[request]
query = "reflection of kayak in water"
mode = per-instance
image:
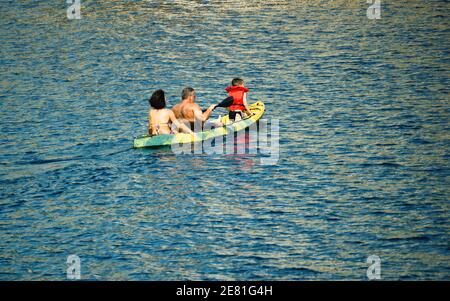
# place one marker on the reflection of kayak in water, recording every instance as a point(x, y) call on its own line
point(153, 141)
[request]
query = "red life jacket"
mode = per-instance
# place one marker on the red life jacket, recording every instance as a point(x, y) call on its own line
point(238, 94)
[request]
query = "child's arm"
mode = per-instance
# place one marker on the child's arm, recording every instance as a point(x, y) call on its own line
point(248, 112)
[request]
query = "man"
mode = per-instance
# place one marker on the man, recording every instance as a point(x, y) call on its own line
point(189, 110)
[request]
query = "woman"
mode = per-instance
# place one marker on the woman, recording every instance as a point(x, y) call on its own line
point(160, 118)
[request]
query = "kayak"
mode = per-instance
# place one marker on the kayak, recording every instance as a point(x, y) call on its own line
point(256, 108)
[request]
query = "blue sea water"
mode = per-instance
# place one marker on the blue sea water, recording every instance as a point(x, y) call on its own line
point(364, 141)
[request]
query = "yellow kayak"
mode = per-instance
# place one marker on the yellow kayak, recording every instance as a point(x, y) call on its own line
point(256, 108)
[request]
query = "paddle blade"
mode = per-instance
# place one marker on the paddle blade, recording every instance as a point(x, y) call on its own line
point(226, 102)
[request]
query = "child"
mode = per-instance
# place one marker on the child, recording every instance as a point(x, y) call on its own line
point(239, 93)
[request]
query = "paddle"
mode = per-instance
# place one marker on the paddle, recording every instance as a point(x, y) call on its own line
point(224, 103)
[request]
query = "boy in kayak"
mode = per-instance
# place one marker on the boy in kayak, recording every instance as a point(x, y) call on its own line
point(160, 119)
point(239, 93)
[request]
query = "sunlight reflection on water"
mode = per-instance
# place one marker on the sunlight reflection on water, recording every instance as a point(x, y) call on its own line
point(364, 137)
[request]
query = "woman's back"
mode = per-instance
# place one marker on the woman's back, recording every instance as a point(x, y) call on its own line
point(159, 121)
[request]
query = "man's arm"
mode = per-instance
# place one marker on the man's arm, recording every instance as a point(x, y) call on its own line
point(202, 116)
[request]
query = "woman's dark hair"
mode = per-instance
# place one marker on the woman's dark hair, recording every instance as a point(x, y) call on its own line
point(158, 100)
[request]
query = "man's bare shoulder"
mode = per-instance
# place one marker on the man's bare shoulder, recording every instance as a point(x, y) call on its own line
point(176, 109)
point(191, 106)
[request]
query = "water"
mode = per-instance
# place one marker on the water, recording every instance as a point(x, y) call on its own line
point(364, 139)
